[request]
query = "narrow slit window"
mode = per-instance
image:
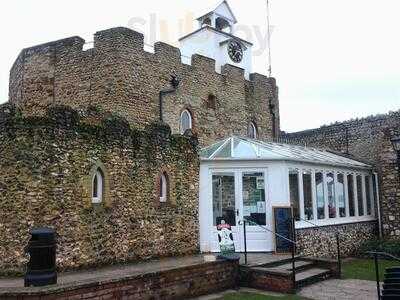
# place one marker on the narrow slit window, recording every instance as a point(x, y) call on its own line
point(97, 186)
point(163, 188)
point(252, 131)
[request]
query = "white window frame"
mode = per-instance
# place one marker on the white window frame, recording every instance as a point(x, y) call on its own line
point(185, 111)
point(335, 171)
point(100, 185)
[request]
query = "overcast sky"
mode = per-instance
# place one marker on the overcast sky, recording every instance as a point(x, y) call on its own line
point(333, 60)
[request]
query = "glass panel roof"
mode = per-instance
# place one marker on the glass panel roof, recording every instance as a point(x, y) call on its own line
point(239, 148)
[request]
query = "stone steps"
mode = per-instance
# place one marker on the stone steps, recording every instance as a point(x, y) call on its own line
point(391, 286)
point(278, 276)
point(311, 276)
point(299, 265)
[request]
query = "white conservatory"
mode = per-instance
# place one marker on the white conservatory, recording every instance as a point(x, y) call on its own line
point(246, 179)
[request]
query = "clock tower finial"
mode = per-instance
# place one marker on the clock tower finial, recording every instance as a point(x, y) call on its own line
point(216, 39)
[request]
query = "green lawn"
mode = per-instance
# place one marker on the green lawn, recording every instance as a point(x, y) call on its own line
point(251, 296)
point(365, 268)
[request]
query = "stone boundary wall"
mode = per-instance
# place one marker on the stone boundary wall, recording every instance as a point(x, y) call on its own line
point(367, 140)
point(118, 75)
point(180, 283)
point(46, 163)
point(321, 241)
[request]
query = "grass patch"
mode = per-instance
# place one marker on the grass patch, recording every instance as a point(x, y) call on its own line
point(251, 296)
point(364, 269)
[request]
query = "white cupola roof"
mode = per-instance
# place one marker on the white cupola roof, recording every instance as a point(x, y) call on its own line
point(219, 18)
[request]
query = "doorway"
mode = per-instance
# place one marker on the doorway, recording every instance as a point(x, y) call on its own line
point(236, 196)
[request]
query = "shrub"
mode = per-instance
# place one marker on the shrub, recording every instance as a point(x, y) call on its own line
point(389, 246)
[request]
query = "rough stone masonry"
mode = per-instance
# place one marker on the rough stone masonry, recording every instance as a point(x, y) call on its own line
point(120, 76)
point(45, 180)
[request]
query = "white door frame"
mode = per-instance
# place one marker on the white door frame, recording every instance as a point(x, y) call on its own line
point(257, 237)
point(252, 232)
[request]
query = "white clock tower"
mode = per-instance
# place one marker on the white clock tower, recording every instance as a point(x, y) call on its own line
point(216, 39)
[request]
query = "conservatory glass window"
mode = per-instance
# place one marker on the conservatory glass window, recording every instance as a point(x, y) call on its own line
point(320, 196)
point(350, 189)
point(360, 195)
point(341, 195)
point(368, 194)
point(330, 182)
point(307, 194)
point(294, 193)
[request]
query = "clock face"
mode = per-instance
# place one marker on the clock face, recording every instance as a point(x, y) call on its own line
point(235, 51)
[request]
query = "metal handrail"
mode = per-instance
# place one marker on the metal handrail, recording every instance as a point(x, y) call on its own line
point(294, 244)
point(376, 255)
point(384, 254)
point(337, 246)
point(267, 229)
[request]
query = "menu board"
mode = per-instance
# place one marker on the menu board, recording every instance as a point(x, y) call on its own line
point(283, 227)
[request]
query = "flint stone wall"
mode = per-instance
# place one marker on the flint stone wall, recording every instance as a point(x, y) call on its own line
point(45, 163)
point(321, 241)
point(367, 140)
point(120, 76)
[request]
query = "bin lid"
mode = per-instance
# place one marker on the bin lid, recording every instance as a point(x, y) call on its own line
point(43, 233)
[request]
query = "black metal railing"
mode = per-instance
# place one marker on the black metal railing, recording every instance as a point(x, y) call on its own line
point(338, 252)
point(376, 255)
point(291, 241)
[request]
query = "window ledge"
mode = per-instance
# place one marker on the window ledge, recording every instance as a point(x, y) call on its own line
point(332, 222)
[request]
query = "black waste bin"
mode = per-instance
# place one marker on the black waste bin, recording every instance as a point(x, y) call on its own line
point(41, 269)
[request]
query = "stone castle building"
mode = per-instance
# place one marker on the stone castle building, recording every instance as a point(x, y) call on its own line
point(103, 146)
point(118, 75)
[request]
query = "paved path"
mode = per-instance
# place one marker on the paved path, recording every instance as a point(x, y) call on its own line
point(335, 289)
point(118, 271)
point(218, 296)
point(110, 272)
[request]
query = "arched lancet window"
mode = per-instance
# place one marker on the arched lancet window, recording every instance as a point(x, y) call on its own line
point(163, 188)
point(97, 186)
point(252, 132)
point(186, 121)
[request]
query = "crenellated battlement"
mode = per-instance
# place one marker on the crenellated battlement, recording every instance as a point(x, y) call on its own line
point(119, 75)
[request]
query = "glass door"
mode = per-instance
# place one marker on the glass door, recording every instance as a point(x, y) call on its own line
point(225, 206)
point(254, 210)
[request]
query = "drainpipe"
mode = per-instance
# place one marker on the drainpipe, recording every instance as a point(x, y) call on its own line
point(174, 81)
point(378, 205)
point(271, 109)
